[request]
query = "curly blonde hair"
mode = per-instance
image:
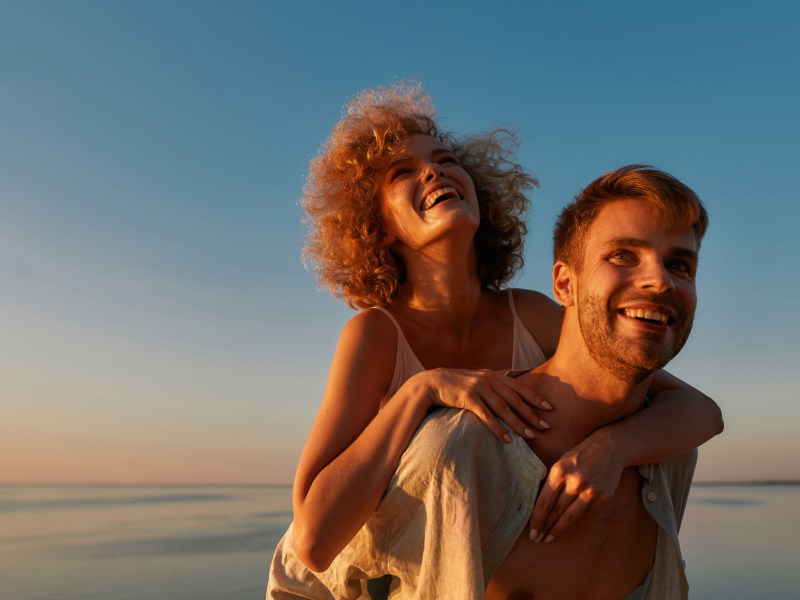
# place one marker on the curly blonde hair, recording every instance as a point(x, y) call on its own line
point(344, 244)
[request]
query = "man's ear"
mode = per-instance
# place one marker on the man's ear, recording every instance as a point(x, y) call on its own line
point(564, 283)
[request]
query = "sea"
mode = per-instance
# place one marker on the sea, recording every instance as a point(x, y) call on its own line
point(181, 542)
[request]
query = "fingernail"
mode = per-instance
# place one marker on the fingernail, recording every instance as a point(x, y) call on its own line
point(544, 424)
point(533, 534)
point(549, 539)
point(529, 434)
point(538, 538)
point(507, 438)
point(546, 404)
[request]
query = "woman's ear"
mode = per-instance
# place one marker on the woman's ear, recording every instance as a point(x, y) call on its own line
point(563, 284)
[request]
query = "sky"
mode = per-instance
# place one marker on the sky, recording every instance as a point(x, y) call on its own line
point(157, 322)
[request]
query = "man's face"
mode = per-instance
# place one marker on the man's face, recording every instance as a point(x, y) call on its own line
point(636, 292)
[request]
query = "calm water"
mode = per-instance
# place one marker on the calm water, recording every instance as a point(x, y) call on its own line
point(214, 542)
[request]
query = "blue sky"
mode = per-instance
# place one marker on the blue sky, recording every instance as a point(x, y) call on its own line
point(158, 324)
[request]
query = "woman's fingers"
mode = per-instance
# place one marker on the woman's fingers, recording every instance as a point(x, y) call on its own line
point(520, 399)
point(487, 417)
point(507, 405)
point(491, 396)
point(526, 392)
point(571, 513)
point(563, 499)
point(548, 496)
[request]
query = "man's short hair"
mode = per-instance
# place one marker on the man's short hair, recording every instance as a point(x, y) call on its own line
point(677, 205)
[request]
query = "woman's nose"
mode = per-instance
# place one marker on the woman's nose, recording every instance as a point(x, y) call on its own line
point(432, 171)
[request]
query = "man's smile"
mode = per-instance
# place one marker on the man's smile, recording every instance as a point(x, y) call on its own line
point(647, 315)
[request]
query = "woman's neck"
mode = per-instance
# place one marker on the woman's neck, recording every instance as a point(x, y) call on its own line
point(443, 286)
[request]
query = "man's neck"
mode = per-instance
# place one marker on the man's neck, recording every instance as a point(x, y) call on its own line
point(573, 380)
point(582, 401)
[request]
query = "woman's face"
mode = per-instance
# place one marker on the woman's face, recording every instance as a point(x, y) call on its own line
point(425, 195)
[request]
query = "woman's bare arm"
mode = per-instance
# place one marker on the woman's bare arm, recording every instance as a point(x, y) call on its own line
point(680, 418)
point(355, 444)
point(353, 448)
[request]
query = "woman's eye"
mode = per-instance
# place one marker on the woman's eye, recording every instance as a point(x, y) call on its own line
point(448, 159)
point(397, 173)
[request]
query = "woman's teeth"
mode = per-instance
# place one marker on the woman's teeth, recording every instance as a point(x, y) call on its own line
point(430, 199)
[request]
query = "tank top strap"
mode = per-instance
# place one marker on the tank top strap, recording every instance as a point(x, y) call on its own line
point(526, 353)
point(406, 363)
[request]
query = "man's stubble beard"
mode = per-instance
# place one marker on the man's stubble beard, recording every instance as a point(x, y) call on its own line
point(626, 359)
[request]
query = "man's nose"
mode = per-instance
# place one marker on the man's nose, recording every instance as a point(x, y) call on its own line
point(656, 276)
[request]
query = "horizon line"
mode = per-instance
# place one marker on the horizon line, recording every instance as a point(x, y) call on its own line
point(724, 482)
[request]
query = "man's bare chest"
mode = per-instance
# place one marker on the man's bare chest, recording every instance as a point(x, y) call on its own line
point(606, 554)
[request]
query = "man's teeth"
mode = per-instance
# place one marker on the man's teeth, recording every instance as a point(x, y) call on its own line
point(650, 315)
point(431, 198)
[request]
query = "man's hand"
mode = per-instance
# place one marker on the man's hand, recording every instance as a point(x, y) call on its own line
point(588, 473)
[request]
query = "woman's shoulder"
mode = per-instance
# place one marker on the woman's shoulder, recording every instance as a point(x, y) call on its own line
point(365, 354)
point(541, 315)
point(371, 325)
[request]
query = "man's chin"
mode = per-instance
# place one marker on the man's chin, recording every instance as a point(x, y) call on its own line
point(650, 362)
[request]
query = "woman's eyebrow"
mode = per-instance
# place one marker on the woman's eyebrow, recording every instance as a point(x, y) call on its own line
point(398, 160)
point(440, 151)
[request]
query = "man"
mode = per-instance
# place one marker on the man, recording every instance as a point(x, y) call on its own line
point(626, 254)
point(454, 516)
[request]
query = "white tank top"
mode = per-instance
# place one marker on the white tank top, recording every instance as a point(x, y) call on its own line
point(526, 352)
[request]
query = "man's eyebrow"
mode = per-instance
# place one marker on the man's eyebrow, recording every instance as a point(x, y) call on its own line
point(679, 251)
point(629, 242)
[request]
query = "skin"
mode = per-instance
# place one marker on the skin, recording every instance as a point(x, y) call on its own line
point(600, 373)
point(359, 434)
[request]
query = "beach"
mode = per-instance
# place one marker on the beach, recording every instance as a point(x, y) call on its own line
point(125, 542)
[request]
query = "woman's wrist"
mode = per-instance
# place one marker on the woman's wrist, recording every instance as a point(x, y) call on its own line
point(614, 442)
point(418, 392)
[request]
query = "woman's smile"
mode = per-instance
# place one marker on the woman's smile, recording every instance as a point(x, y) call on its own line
point(423, 176)
point(440, 195)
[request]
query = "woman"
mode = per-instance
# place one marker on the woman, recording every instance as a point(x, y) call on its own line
point(421, 230)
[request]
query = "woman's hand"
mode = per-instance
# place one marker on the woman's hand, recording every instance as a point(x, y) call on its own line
point(489, 395)
point(588, 473)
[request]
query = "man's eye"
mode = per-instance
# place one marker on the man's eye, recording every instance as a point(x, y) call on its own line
point(622, 255)
point(680, 266)
point(449, 159)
